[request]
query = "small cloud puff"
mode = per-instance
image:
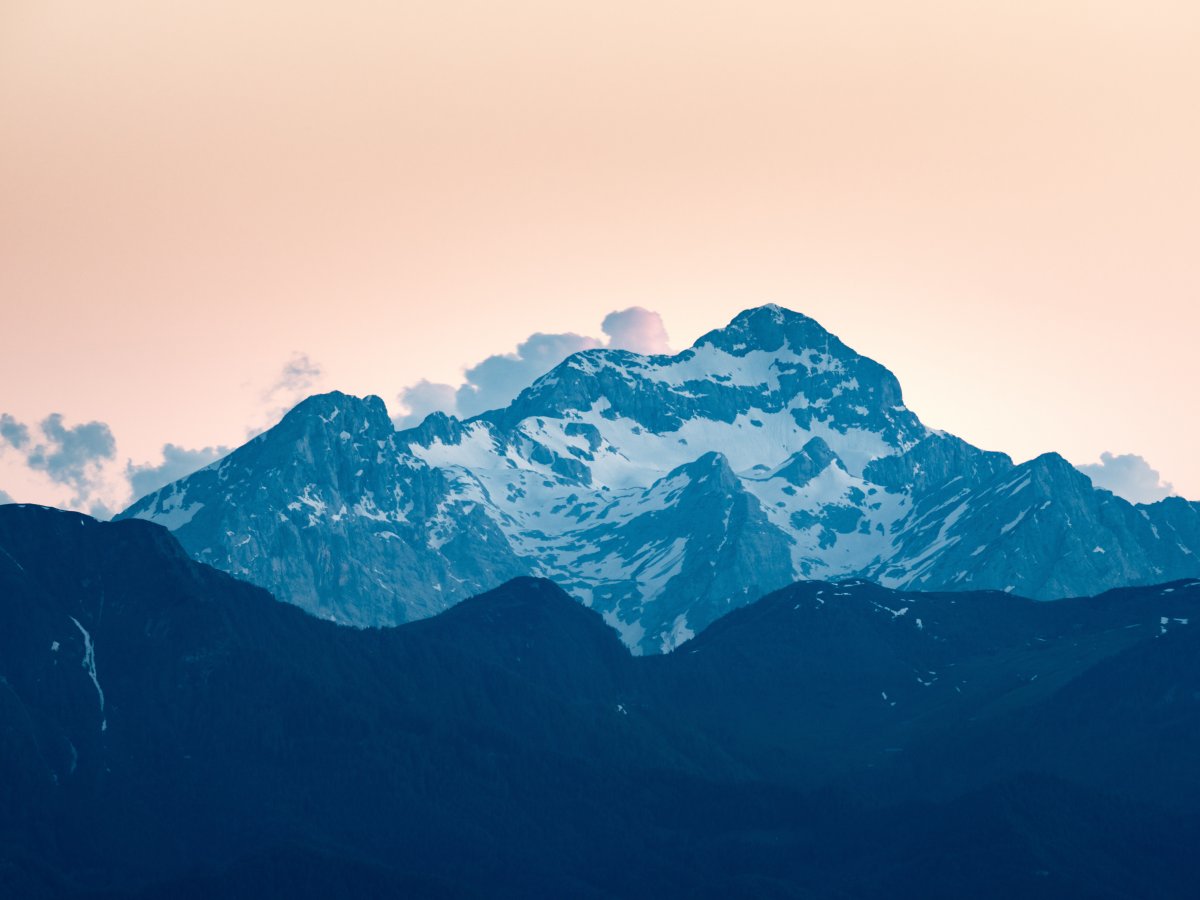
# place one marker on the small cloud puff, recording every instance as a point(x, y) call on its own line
point(637, 329)
point(71, 456)
point(177, 463)
point(13, 432)
point(83, 457)
point(493, 382)
point(299, 378)
point(1128, 475)
point(295, 381)
point(423, 398)
point(497, 380)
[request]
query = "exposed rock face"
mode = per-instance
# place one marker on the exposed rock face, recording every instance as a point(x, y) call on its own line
point(661, 491)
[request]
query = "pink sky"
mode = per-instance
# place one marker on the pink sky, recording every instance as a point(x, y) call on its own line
point(999, 201)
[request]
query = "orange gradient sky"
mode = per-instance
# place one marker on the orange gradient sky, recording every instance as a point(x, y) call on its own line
point(999, 201)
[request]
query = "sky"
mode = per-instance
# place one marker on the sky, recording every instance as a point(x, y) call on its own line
point(208, 210)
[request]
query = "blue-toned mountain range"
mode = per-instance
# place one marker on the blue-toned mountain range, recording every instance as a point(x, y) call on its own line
point(661, 491)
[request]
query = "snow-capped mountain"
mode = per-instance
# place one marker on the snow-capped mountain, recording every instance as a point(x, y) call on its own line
point(661, 491)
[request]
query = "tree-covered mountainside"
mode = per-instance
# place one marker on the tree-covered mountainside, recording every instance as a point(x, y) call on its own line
point(168, 730)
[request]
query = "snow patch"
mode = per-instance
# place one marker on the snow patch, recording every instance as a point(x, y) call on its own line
point(679, 634)
point(173, 511)
point(89, 663)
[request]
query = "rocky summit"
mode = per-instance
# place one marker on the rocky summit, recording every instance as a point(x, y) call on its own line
point(661, 491)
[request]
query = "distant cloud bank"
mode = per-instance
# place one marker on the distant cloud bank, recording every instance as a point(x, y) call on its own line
point(298, 378)
point(12, 432)
point(69, 456)
point(177, 463)
point(83, 458)
point(495, 381)
point(637, 329)
point(1128, 475)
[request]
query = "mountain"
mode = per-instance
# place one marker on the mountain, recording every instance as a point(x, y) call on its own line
point(169, 731)
point(164, 722)
point(662, 492)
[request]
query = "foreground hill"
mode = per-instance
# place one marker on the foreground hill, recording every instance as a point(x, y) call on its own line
point(662, 492)
point(170, 731)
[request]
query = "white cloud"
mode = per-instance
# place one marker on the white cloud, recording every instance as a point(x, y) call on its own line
point(77, 466)
point(497, 380)
point(177, 462)
point(425, 397)
point(74, 457)
point(13, 432)
point(1128, 475)
point(298, 378)
point(637, 329)
point(492, 383)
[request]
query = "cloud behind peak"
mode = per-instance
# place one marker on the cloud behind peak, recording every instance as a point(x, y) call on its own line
point(1128, 475)
point(497, 380)
point(638, 329)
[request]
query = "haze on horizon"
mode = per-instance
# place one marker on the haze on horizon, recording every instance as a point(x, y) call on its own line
point(207, 210)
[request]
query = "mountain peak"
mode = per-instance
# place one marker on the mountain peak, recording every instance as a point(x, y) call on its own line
point(807, 463)
point(533, 626)
point(770, 312)
point(712, 465)
point(771, 328)
point(338, 414)
point(660, 491)
point(331, 404)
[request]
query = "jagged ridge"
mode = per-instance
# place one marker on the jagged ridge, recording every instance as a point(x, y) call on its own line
point(661, 491)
